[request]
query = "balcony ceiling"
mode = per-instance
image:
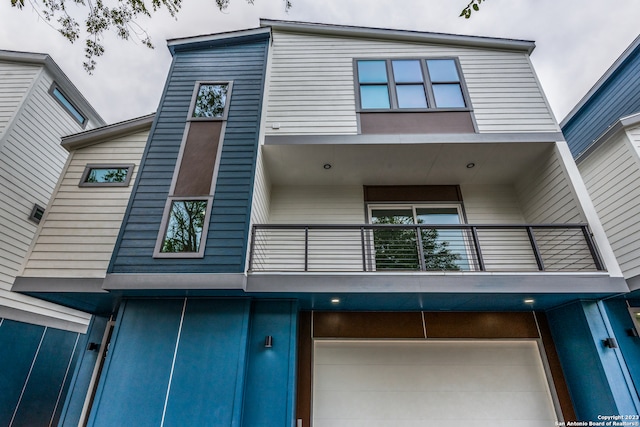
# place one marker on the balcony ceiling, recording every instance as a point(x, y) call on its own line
point(382, 164)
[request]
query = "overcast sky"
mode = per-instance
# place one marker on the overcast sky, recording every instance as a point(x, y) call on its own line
point(577, 41)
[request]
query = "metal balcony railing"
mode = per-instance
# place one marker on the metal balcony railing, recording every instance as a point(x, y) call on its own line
point(389, 248)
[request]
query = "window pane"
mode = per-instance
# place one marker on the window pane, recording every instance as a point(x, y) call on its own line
point(374, 96)
point(411, 96)
point(407, 71)
point(391, 216)
point(184, 228)
point(107, 175)
point(448, 96)
point(210, 101)
point(64, 101)
point(372, 71)
point(395, 248)
point(442, 70)
point(437, 216)
point(443, 249)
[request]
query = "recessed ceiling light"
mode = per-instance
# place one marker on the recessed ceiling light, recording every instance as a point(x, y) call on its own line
point(327, 166)
point(529, 301)
point(470, 165)
point(335, 300)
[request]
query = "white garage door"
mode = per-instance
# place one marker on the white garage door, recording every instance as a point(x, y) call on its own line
point(430, 383)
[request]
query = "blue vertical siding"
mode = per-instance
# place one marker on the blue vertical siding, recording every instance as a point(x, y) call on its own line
point(209, 364)
point(136, 374)
point(81, 378)
point(621, 322)
point(618, 97)
point(207, 384)
point(37, 365)
point(243, 61)
point(593, 372)
point(269, 388)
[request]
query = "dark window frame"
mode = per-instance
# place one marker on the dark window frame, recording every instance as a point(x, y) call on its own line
point(166, 217)
point(428, 86)
point(55, 87)
point(90, 166)
point(194, 97)
point(34, 211)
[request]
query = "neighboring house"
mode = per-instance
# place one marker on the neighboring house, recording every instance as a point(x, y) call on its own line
point(38, 340)
point(603, 132)
point(77, 235)
point(337, 224)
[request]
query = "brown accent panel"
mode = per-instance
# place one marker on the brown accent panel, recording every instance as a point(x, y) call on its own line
point(198, 159)
point(480, 325)
point(303, 392)
point(413, 123)
point(333, 324)
point(562, 390)
point(412, 193)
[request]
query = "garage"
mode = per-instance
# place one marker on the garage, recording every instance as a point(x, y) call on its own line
point(403, 383)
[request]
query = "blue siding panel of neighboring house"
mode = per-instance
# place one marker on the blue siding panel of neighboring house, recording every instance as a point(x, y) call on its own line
point(618, 97)
point(243, 62)
point(37, 365)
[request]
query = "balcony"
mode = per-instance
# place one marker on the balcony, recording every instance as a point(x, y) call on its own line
point(565, 248)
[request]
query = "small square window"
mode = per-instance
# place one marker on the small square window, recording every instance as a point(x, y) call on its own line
point(374, 96)
point(36, 213)
point(210, 101)
point(184, 228)
point(106, 176)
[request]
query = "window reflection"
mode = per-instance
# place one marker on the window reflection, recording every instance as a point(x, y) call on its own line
point(185, 225)
point(211, 100)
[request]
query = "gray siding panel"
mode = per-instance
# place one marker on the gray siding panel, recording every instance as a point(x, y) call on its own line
point(245, 64)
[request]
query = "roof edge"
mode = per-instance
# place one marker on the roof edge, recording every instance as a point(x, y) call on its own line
point(101, 134)
point(616, 127)
point(172, 44)
point(59, 76)
point(407, 35)
point(601, 81)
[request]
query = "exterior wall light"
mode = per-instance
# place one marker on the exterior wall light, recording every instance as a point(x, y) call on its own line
point(268, 341)
point(610, 343)
point(335, 300)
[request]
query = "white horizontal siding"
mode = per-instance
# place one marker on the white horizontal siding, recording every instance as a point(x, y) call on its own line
point(634, 136)
point(81, 225)
point(312, 90)
point(611, 175)
point(261, 193)
point(499, 204)
point(30, 164)
point(546, 197)
point(328, 249)
point(15, 81)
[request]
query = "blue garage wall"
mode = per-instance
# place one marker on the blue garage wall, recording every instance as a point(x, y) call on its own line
point(596, 380)
point(243, 61)
point(199, 361)
point(38, 363)
point(135, 377)
point(270, 384)
point(207, 384)
point(622, 322)
point(79, 382)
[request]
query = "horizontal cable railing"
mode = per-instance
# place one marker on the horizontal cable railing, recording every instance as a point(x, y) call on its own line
point(371, 247)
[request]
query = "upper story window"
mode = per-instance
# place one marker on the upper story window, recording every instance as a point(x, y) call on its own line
point(68, 105)
point(106, 175)
point(410, 84)
point(210, 101)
